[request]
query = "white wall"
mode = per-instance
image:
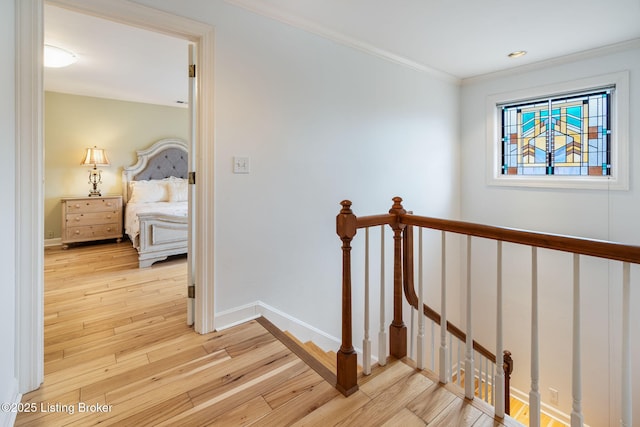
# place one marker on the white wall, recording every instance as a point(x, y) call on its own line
point(8, 383)
point(320, 122)
point(588, 213)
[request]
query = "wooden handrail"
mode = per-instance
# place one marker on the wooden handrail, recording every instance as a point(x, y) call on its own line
point(576, 245)
point(375, 220)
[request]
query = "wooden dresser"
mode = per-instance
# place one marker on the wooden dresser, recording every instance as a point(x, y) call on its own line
point(91, 218)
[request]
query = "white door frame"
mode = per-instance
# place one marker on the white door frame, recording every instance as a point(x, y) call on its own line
point(29, 346)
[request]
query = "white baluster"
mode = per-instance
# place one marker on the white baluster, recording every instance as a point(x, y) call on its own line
point(498, 382)
point(450, 356)
point(468, 362)
point(486, 379)
point(479, 359)
point(366, 342)
point(382, 334)
point(576, 374)
point(444, 367)
point(411, 335)
point(420, 343)
point(433, 347)
point(627, 414)
point(534, 394)
point(493, 389)
point(459, 364)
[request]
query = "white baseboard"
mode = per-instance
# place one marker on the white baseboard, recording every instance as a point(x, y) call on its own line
point(8, 418)
point(235, 316)
point(53, 242)
point(301, 330)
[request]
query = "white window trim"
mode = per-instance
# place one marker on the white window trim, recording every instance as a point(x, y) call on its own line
point(619, 178)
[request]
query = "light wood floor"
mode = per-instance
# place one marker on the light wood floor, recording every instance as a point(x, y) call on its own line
point(116, 338)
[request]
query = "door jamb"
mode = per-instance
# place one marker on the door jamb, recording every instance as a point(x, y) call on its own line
point(29, 342)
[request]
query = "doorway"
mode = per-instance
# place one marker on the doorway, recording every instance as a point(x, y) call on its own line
point(29, 95)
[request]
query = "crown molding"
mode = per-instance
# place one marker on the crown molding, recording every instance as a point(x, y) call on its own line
point(340, 38)
point(586, 54)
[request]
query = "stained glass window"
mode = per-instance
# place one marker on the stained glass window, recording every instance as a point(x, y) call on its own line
point(567, 135)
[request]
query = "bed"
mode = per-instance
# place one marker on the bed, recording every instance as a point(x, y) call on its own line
point(155, 193)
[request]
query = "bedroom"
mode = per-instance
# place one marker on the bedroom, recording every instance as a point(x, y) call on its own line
point(112, 111)
point(403, 110)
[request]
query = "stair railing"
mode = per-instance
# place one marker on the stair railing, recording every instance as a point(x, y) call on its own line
point(347, 224)
point(488, 366)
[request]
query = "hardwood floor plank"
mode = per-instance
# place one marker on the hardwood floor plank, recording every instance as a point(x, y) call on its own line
point(45, 415)
point(217, 405)
point(62, 383)
point(159, 412)
point(459, 413)
point(118, 379)
point(240, 371)
point(431, 402)
point(292, 388)
point(244, 414)
point(177, 378)
point(405, 418)
point(390, 400)
point(389, 376)
point(306, 402)
point(334, 411)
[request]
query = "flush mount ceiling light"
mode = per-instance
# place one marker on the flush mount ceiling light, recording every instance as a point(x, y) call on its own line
point(56, 57)
point(517, 54)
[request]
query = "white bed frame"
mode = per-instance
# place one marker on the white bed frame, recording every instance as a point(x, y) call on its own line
point(161, 235)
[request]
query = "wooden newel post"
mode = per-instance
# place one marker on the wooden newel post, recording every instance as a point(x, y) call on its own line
point(397, 329)
point(347, 359)
point(507, 365)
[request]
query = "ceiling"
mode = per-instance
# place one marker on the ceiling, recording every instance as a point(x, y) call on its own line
point(458, 39)
point(116, 61)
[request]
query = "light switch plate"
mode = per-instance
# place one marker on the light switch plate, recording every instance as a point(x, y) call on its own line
point(241, 164)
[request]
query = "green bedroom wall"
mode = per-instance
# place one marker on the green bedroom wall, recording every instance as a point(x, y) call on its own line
point(73, 123)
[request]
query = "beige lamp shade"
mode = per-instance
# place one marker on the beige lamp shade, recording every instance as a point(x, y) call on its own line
point(96, 157)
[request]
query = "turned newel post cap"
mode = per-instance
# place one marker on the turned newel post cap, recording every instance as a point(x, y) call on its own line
point(397, 208)
point(346, 207)
point(346, 221)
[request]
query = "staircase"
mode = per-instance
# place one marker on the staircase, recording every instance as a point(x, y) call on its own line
point(397, 394)
point(394, 336)
point(442, 396)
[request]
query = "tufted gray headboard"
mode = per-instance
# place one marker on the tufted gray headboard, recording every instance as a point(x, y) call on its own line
point(165, 158)
point(169, 162)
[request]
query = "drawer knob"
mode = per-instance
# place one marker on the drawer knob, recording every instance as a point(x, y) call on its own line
point(77, 232)
point(77, 206)
point(108, 216)
point(77, 218)
point(108, 228)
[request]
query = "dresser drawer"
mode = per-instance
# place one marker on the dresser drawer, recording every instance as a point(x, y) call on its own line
point(93, 232)
point(93, 205)
point(92, 218)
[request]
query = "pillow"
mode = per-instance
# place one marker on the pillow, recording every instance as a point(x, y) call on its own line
point(178, 190)
point(148, 191)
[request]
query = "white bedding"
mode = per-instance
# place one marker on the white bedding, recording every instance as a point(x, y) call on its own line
point(131, 224)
